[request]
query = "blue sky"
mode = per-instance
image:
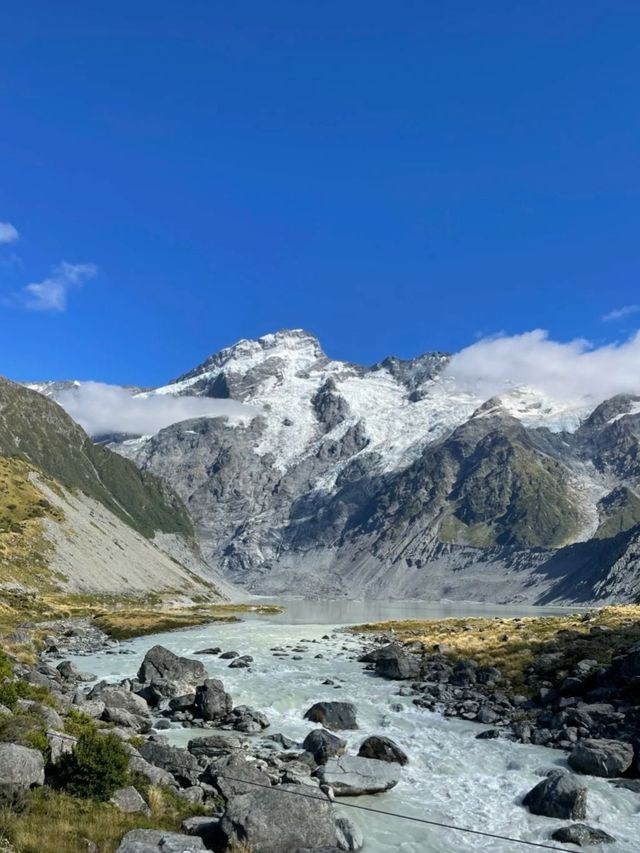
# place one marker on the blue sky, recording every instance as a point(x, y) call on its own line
point(395, 177)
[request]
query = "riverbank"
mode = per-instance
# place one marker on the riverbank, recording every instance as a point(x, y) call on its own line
point(559, 681)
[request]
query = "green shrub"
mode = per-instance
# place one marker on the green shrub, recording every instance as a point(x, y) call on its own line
point(77, 723)
point(6, 668)
point(26, 728)
point(8, 694)
point(96, 768)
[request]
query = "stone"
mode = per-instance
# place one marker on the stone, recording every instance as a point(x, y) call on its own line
point(607, 758)
point(279, 821)
point(349, 835)
point(154, 775)
point(229, 655)
point(350, 776)
point(180, 763)
point(212, 702)
point(323, 745)
point(559, 795)
point(159, 841)
point(394, 663)
point(235, 774)
point(21, 768)
point(215, 745)
point(215, 650)
point(247, 720)
point(242, 662)
point(123, 707)
point(129, 801)
point(169, 674)
point(205, 827)
point(582, 835)
point(333, 715)
point(60, 744)
point(384, 749)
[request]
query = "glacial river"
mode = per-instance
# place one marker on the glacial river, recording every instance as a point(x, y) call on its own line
point(452, 778)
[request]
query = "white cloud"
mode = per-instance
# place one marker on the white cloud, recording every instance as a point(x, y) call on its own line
point(51, 294)
point(621, 313)
point(8, 233)
point(104, 409)
point(574, 371)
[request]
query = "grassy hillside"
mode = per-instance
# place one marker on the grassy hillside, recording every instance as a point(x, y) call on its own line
point(37, 430)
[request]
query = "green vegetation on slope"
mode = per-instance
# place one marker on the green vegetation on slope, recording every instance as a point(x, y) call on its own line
point(39, 431)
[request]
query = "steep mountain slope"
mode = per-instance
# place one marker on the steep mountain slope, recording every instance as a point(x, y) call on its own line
point(392, 481)
point(79, 518)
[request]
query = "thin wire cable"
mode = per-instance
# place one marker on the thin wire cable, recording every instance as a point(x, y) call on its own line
point(538, 844)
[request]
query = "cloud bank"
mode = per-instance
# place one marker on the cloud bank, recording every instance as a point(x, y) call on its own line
point(105, 409)
point(51, 294)
point(574, 371)
point(8, 233)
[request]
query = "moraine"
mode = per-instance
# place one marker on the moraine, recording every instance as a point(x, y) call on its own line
point(452, 777)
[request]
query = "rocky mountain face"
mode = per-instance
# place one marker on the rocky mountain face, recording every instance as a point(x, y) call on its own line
point(80, 518)
point(391, 481)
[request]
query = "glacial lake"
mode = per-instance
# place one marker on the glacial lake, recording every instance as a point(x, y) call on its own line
point(452, 778)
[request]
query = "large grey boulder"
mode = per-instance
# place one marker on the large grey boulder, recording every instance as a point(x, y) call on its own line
point(395, 663)
point(350, 776)
point(608, 758)
point(279, 821)
point(21, 768)
point(235, 774)
point(130, 801)
point(168, 674)
point(560, 795)
point(582, 835)
point(216, 745)
point(123, 707)
point(384, 749)
point(60, 744)
point(178, 762)
point(154, 775)
point(159, 841)
point(212, 702)
point(323, 745)
point(333, 715)
point(349, 835)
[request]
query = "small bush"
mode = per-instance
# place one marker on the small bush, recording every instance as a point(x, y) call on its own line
point(77, 723)
point(26, 728)
point(96, 768)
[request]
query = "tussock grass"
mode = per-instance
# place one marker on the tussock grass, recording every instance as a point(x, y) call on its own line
point(54, 822)
point(512, 644)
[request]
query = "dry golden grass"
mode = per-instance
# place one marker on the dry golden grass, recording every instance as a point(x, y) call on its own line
point(513, 643)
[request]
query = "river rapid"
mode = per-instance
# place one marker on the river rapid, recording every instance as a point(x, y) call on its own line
point(451, 778)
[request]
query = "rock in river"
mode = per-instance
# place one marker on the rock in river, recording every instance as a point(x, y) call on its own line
point(560, 795)
point(582, 835)
point(333, 715)
point(350, 776)
point(384, 749)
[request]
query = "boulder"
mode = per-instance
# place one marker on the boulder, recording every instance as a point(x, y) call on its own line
point(21, 768)
point(129, 801)
point(395, 663)
point(159, 841)
point(582, 835)
point(607, 758)
point(60, 744)
point(349, 835)
point(169, 674)
point(154, 775)
point(279, 821)
point(123, 707)
point(178, 762)
point(205, 827)
point(333, 715)
point(350, 776)
point(247, 720)
point(560, 795)
point(212, 702)
point(384, 749)
point(229, 655)
point(323, 745)
point(215, 745)
point(235, 774)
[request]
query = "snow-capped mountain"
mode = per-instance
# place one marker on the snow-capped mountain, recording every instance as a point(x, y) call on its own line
point(391, 479)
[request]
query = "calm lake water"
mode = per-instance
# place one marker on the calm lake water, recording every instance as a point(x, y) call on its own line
point(452, 777)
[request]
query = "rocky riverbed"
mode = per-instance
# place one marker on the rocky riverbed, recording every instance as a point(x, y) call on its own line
point(272, 673)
